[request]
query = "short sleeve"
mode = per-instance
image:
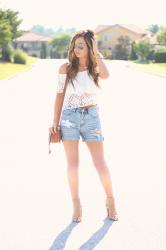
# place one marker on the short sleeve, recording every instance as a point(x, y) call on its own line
point(60, 83)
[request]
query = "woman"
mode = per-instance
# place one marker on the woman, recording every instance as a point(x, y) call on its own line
point(80, 116)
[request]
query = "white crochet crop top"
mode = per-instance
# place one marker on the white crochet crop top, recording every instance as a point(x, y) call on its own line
point(85, 92)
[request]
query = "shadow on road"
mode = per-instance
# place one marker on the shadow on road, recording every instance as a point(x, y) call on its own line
point(97, 236)
point(60, 241)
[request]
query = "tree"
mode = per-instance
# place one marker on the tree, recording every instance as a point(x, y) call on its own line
point(11, 17)
point(154, 28)
point(123, 48)
point(43, 52)
point(133, 55)
point(161, 37)
point(59, 45)
point(41, 30)
point(9, 23)
point(143, 48)
point(5, 32)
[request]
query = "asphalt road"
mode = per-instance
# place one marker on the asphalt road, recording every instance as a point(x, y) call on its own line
point(35, 201)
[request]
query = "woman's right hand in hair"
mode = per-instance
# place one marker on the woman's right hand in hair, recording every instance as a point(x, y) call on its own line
point(95, 49)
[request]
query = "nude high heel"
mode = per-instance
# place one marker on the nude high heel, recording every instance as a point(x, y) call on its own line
point(111, 211)
point(77, 213)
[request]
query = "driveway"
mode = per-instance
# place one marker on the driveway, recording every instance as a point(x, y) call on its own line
point(35, 201)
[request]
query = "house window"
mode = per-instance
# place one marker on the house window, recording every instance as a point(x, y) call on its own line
point(34, 45)
point(24, 45)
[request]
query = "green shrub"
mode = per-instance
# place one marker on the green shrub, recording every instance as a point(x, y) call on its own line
point(160, 57)
point(142, 49)
point(19, 57)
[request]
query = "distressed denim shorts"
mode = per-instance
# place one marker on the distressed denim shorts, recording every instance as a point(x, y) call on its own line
point(84, 122)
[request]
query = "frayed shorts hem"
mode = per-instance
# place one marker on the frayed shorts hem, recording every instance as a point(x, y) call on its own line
point(92, 140)
point(84, 140)
point(70, 139)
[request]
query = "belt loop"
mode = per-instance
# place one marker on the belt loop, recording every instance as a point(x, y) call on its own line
point(87, 110)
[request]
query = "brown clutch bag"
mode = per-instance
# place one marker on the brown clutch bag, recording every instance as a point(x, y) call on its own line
point(54, 138)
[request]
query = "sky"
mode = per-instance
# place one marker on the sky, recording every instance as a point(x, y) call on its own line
point(87, 13)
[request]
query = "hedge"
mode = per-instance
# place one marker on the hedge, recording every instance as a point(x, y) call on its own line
point(160, 57)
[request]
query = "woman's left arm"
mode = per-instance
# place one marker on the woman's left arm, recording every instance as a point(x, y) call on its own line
point(102, 68)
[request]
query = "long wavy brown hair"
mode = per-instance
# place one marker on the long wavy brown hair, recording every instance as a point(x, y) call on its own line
point(73, 65)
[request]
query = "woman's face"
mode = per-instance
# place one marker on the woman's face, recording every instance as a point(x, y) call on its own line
point(80, 48)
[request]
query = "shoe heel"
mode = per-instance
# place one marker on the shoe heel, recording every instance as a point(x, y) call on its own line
point(77, 207)
point(108, 204)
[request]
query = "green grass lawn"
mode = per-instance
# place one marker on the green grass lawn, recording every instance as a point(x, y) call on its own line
point(11, 69)
point(154, 68)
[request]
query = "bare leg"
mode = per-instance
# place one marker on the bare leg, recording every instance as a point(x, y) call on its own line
point(72, 157)
point(96, 150)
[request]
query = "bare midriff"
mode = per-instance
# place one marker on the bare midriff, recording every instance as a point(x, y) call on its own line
point(88, 106)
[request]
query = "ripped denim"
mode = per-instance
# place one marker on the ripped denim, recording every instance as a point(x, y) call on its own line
point(84, 122)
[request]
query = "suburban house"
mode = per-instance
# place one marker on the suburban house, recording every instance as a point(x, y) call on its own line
point(33, 44)
point(107, 36)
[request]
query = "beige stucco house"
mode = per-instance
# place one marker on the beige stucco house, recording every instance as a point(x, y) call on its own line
point(33, 43)
point(107, 36)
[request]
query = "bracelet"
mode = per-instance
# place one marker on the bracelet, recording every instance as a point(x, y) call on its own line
point(99, 56)
point(55, 122)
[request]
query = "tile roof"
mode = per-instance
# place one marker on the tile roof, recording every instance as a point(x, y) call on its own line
point(101, 28)
point(135, 28)
point(130, 27)
point(32, 37)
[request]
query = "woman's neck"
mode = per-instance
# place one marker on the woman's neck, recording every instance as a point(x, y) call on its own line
point(83, 63)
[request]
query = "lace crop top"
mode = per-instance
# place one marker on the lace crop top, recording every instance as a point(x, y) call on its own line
point(84, 93)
